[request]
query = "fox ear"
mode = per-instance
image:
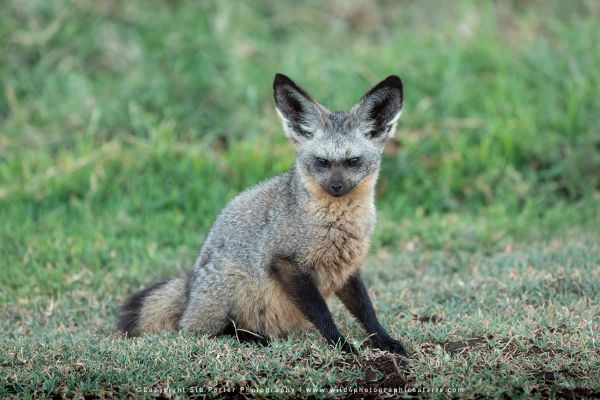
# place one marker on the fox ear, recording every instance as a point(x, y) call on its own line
point(380, 108)
point(299, 113)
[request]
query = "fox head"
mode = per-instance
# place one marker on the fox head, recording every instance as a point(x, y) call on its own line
point(338, 151)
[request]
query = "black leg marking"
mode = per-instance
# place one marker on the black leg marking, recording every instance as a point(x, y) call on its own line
point(130, 310)
point(355, 297)
point(305, 294)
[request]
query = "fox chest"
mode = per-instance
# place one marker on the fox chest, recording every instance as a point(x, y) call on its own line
point(339, 244)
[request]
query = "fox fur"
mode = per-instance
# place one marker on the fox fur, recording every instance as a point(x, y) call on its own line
point(278, 248)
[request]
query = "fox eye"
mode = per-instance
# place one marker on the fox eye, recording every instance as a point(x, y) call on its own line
point(353, 162)
point(323, 163)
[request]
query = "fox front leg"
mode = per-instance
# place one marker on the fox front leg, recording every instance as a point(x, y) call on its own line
point(305, 294)
point(355, 297)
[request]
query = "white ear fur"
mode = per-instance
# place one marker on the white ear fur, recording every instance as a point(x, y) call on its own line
point(380, 108)
point(286, 124)
point(300, 115)
point(305, 130)
point(393, 124)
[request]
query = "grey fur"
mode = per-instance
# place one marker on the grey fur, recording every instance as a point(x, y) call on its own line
point(293, 216)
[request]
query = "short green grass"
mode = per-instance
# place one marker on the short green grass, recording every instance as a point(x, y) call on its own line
point(126, 126)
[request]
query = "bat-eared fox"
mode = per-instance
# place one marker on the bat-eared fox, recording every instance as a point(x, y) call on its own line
point(278, 250)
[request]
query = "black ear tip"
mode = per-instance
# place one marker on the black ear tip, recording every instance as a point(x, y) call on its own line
point(393, 81)
point(281, 79)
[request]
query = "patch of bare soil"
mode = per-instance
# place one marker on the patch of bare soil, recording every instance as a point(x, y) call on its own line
point(389, 369)
point(385, 376)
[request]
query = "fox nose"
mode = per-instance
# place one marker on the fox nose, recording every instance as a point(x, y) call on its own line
point(336, 187)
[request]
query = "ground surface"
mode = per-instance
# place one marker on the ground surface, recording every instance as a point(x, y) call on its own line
point(512, 320)
point(125, 128)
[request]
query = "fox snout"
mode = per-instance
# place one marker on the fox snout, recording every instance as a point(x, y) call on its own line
point(337, 185)
point(337, 188)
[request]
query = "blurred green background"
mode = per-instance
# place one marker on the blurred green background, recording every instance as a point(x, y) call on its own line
point(125, 126)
